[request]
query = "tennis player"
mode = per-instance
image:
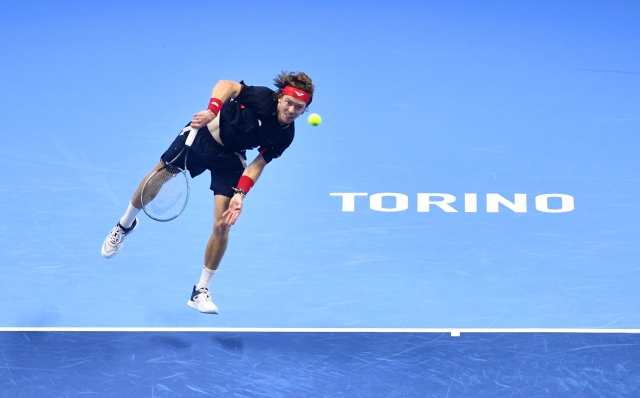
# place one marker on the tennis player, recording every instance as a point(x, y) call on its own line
point(238, 118)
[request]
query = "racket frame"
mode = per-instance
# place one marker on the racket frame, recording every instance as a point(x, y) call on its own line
point(190, 138)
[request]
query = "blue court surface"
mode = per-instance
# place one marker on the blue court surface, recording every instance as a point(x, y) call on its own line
point(476, 170)
point(320, 364)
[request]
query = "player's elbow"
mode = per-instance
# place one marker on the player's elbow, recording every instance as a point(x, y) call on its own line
point(231, 87)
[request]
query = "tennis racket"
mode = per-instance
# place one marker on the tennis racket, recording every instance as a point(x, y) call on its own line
point(166, 192)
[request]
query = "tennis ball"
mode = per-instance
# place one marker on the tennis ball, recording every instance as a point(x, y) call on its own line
point(314, 119)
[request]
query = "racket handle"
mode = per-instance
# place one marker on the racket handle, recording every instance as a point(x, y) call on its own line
point(191, 136)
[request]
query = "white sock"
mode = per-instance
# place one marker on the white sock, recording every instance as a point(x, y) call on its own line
point(205, 277)
point(127, 220)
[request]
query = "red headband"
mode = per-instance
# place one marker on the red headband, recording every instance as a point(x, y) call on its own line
point(297, 93)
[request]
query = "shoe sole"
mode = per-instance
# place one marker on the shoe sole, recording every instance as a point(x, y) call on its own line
point(107, 255)
point(194, 305)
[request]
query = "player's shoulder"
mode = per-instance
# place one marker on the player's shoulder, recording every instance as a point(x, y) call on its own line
point(248, 90)
point(257, 98)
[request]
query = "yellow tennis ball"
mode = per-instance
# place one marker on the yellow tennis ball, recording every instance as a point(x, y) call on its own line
point(314, 119)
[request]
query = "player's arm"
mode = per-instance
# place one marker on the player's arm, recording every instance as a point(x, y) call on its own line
point(221, 92)
point(253, 172)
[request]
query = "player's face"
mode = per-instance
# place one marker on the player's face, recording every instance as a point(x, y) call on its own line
point(290, 108)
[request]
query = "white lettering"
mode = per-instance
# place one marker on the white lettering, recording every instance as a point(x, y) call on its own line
point(470, 203)
point(519, 205)
point(542, 203)
point(444, 200)
point(402, 202)
point(348, 199)
point(425, 202)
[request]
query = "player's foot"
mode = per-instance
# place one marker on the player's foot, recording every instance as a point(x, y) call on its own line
point(115, 240)
point(201, 300)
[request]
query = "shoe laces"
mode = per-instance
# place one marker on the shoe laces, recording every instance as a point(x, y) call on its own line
point(116, 235)
point(203, 292)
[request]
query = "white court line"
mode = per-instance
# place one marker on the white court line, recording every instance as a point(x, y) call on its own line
point(455, 332)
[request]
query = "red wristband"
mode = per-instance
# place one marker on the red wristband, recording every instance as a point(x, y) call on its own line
point(215, 105)
point(245, 183)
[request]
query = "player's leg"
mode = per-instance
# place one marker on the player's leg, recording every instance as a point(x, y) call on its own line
point(136, 199)
point(127, 223)
point(217, 244)
point(226, 169)
point(112, 245)
point(216, 247)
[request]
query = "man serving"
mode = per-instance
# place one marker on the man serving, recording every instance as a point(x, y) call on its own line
point(238, 118)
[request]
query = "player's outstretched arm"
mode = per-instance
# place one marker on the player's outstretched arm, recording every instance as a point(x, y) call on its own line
point(222, 91)
point(252, 171)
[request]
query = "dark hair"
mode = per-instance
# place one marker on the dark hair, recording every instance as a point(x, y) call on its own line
point(294, 79)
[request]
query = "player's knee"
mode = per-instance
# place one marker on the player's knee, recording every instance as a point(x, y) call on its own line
point(221, 227)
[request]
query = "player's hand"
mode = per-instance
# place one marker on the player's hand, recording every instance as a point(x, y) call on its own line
point(233, 212)
point(202, 118)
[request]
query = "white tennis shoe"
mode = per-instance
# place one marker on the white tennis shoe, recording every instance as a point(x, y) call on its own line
point(115, 240)
point(201, 300)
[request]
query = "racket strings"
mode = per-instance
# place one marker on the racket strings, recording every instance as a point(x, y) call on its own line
point(165, 194)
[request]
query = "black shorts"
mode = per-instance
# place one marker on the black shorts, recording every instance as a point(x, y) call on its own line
point(206, 154)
